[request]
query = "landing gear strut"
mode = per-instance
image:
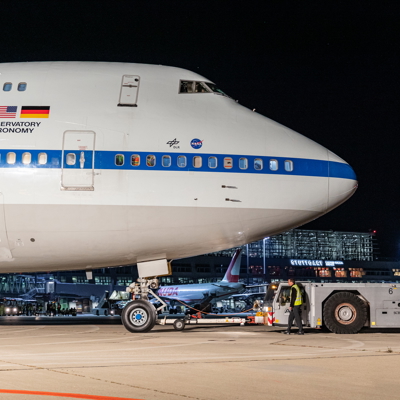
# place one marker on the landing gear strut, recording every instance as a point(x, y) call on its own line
point(140, 315)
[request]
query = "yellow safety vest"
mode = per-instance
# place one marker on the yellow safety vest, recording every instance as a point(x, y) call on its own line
point(299, 298)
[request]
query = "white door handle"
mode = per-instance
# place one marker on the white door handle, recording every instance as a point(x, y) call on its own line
point(82, 160)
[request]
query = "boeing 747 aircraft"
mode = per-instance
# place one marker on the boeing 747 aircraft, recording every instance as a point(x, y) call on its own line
point(106, 164)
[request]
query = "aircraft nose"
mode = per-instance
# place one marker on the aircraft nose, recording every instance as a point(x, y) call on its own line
point(342, 181)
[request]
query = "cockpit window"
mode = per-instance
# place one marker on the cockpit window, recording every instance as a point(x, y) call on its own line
point(214, 89)
point(199, 87)
point(193, 87)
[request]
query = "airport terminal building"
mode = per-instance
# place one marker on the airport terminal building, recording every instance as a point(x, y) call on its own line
point(318, 256)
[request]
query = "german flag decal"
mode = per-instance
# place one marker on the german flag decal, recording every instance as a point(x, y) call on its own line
point(35, 112)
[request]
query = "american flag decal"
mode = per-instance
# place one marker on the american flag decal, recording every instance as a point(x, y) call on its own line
point(8, 111)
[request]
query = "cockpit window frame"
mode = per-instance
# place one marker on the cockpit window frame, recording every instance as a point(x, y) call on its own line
point(203, 84)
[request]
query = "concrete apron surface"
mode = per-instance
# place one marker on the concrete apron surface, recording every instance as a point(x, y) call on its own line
point(209, 362)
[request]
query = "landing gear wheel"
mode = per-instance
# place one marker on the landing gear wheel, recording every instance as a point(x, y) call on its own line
point(139, 316)
point(179, 324)
point(345, 312)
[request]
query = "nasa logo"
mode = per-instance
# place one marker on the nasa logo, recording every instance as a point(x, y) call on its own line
point(196, 143)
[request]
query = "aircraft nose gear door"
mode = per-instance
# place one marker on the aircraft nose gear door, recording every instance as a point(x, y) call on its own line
point(5, 253)
point(77, 171)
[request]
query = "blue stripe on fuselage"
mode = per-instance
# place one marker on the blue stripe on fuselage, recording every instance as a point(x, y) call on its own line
point(106, 160)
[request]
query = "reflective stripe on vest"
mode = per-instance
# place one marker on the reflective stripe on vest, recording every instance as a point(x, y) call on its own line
point(299, 297)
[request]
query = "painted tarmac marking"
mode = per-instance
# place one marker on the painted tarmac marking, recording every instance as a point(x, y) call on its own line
point(70, 395)
point(5, 332)
point(91, 351)
point(43, 336)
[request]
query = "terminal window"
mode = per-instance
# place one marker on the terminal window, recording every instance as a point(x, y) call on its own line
point(356, 272)
point(340, 273)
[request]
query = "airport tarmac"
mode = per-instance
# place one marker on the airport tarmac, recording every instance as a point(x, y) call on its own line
point(96, 358)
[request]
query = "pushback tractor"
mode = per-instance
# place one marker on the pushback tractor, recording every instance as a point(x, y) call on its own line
point(340, 307)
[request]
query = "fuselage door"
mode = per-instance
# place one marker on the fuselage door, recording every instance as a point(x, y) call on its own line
point(129, 91)
point(77, 171)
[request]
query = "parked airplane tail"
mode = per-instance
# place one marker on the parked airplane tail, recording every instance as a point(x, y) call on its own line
point(232, 273)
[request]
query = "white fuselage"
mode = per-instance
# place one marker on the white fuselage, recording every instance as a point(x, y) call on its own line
point(84, 209)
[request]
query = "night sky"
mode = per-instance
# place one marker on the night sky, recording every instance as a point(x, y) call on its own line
point(327, 69)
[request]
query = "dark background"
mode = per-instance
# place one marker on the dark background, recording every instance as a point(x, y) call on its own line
point(329, 70)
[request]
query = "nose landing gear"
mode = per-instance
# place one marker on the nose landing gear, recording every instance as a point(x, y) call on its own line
point(140, 315)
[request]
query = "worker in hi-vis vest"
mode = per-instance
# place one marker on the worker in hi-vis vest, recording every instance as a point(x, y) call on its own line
point(296, 300)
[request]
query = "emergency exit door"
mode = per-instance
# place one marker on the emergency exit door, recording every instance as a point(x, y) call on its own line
point(77, 171)
point(129, 91)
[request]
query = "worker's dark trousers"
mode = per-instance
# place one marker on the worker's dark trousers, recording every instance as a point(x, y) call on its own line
point(295, 315)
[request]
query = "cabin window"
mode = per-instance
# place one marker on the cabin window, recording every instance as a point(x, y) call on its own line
point(26, 158)
point(273, 165)
point(22, 86)
point(7, 86)
point(243, 164)
point(212, 162)
point(42, 158)
point(228, 162)
point(166, 161)
point(71, 159)
point(11, 158)
point(151, 160)
point(288, 165)
point(197, 161)
point(119, 160)
point(135, 160)
point(181, 161)
point(258, 164)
